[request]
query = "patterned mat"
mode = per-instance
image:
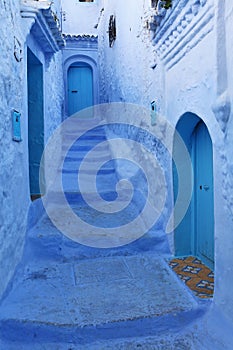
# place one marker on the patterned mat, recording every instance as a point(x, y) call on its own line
point(198, 277)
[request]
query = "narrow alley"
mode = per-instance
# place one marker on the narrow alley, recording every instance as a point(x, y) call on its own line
point(116, 185)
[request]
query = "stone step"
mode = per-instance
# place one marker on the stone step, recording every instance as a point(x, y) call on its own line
point(84, 139)
point(91, 135)
point(70, 183)
point(86, 146)
point(71, 155)
point(45, 242)
point(96, 300)
point(91, 164)
point(78, 156)
point(75, 124)
point(89, 171)
point(167, 341)
point(104, 182)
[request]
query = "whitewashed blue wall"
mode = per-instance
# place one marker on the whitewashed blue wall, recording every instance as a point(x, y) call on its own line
point(129, 75)
point(81, 17)
point(14, 197)
point(14, 170)
point(190, 76)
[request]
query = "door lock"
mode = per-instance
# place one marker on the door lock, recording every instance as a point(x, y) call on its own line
point(205, 187)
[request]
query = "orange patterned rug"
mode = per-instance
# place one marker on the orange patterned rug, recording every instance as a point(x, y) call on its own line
point(198, 277)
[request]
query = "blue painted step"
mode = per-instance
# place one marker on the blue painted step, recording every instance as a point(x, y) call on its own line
point(96, 300)
point(65, 292)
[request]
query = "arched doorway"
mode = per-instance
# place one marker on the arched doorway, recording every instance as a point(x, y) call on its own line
point(80, 87)
point(195, 234)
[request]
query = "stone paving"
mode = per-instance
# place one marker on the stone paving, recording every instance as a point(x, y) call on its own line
point(66, 295)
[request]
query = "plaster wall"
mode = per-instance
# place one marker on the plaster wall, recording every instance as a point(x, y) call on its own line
point(14, 169)
point(196, 78)
point(125, 69)
point(54, 93)
point(80, 17)
point(225, 167)
point(201, 83)
point(131, 73)
point(14, 197)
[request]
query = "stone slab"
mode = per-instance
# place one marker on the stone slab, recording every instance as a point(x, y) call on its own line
point(96, 291)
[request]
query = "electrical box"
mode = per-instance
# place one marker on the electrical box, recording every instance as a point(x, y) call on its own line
point(153, 113)
point(16, 116)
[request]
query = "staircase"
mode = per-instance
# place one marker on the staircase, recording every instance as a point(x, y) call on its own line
point(66, 295)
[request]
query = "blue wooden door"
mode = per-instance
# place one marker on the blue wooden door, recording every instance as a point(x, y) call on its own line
point(80, 88)
point(204, 199)
point(35, 123)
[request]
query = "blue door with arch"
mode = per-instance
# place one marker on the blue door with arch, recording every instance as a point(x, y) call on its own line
point(80, 87)
point(194, 235)
point(203, 194)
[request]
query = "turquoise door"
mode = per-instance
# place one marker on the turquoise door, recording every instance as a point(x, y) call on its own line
point(80, 87)
point(203, 196)
point(35, 124)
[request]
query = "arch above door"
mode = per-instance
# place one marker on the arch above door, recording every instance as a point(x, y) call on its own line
point(87, 63)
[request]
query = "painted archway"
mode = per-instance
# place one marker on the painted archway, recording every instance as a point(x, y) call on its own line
point(195, 234)
point(86, 68)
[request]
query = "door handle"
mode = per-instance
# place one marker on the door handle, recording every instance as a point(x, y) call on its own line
point(74, 91)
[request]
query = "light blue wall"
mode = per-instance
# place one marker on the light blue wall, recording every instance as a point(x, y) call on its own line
point(14, 157)
point(192, 61)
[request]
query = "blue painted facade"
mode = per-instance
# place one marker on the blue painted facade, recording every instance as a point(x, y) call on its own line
point(181, 59)
point(26, 26)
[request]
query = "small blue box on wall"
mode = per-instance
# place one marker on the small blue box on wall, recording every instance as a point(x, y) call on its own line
point(16, 116)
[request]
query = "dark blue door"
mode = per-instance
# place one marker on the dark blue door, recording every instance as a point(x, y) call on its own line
point(80, 87)
point(204, 199)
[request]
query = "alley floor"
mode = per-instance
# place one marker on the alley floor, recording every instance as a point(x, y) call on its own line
point(66, 295)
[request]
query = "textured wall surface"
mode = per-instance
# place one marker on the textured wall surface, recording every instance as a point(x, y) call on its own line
point(224, 179)
point(130, 72)
point(193, 53)
point(125, 69)
point(14, 170)
point(76, 14)
point(54, 92)
point(14, 196)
